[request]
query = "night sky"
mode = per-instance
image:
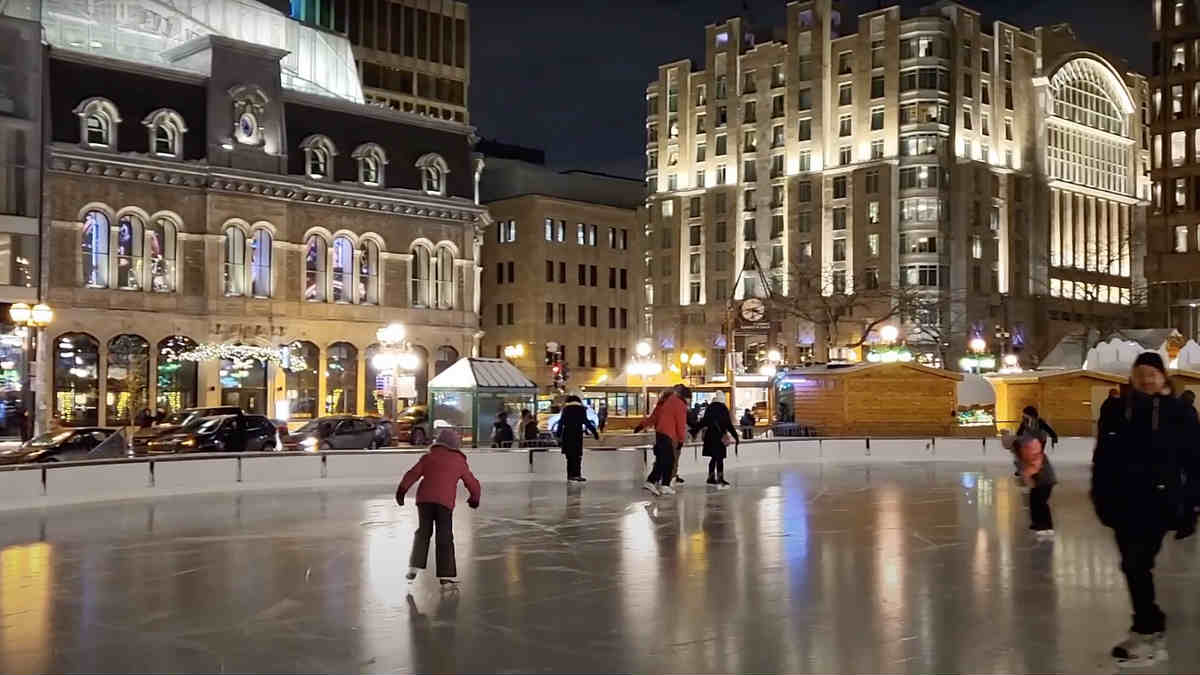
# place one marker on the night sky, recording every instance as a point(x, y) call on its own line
point(570, 77)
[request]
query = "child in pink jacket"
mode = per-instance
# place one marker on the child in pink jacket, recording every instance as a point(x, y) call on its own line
point(439, 471)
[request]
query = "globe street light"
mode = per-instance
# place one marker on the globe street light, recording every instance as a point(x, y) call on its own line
point(396, 358)
point(977, 345)
point(889, 333)
point(512, 352)
point(642, 348)
point(644, 366)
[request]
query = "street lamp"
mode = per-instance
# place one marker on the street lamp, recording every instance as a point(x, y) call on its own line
point(889, 334)
point(512, 352)
point(690, 362)
point(33, 319)
point(644, 366)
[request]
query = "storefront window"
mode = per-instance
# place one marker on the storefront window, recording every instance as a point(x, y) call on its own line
point(127, 375)
point(341, 379)
point(77, 379)
point(176, 379)
point(376, 396)
point(302, 384)
point(244, 384)
point(12, 370)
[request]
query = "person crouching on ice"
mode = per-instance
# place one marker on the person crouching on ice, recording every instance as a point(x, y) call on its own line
point(439, 471)
point(1037, 474)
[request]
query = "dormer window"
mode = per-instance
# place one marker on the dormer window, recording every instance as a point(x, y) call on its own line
point(98, 120)
point(318, 157)
point(433, 174)
point(371, 160)
point(166, 130)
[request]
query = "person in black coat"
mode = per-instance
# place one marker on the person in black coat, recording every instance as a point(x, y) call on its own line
point(747, 423)
point(502, 432)
point(1145, 470)
point(716, 423)
point(572, 422)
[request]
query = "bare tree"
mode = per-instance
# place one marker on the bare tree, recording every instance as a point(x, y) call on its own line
point(934, 319)
point(844, 312)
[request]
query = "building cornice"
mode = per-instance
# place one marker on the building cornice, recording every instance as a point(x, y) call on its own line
point(135, 67)
point(1068, 186)
point(69, 159)
point(378, 112)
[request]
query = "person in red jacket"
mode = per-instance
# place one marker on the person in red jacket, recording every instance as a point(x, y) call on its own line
point(669, 420)
point(439, 471)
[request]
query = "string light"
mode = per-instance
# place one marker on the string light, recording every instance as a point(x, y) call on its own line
point(287, 357)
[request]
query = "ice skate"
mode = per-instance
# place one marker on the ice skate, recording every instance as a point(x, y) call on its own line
point(412, 573)
point(666, 490)
point(652, 488)
point(1141, 650)
point(1044, 534)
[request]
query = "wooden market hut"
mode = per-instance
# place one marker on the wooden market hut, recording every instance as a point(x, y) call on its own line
point(873, 399)
point(1069, 400)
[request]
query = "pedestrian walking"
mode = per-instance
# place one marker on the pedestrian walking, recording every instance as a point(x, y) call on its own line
point(572, 422)
point(1144, 477)
point(603, 415)
point(528, 428)
point(717, 433)
point(1037, 474)
point(502, 433)
point(747, 423)
point(439, 471)
point(669, 420)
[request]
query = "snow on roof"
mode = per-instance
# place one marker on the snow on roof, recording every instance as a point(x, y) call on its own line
point(480, 373)
point(839, 369)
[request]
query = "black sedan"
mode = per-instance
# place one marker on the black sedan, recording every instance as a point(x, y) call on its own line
point(66, 445)
point(174, 423)
point(223, 433)
point(337, 432)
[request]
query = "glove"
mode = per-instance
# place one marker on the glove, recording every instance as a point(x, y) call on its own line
point(399, 497)
point(473, 503)
point(637, 429)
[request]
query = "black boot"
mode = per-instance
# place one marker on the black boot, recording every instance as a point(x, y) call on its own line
point(712, 480)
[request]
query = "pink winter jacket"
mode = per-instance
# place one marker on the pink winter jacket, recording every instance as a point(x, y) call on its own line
point(439, 471)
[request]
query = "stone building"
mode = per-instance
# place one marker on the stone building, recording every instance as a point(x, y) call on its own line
point(994, 173)
point(204, 201)
point(560, 269)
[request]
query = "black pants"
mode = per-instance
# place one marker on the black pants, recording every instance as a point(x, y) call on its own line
point(574, 463)
point(1138, 547)
point(1039, 508)
point(429, 514)
point(664, 460)
point(716, 467)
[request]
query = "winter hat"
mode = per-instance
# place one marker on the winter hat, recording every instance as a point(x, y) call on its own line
point(447, 438)
point(1151, 359)
point(1029, 410)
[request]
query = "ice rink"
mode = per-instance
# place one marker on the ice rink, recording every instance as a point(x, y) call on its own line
point(803, 568)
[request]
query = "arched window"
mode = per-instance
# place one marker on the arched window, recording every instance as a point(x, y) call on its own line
point(446, 357)
point(302, 384)
point(166, 130)
point(244, 384)
point(77, 380)
point(98, 120)
point(343, 269)
point(127, 375)
point(94, 246)
point(314, 268)
point(160, 255)
point(176, 378)
point(371, 160)
point(421, 277)
point(235, 261)
point(129, 252)
point(433, 173)
point(341, 379)
point(260, 263)
point(444, 278)
point(368, 273)
point(319, 152)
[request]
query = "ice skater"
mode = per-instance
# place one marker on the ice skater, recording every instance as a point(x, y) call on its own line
point(1145, 471)
point(572, 424)
point(439, 471)
point(669, 420)
point(1037, 474)
point(1034, 425)
point(717, 432)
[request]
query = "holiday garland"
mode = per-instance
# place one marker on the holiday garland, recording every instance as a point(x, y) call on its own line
point(287, 357)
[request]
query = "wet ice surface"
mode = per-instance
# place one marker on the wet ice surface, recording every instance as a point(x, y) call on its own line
point(808, 568)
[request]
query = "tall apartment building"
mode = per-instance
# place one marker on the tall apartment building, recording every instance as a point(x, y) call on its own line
point(412, 55)
point(997, 171)
point(1173, 256)
point(561, 269)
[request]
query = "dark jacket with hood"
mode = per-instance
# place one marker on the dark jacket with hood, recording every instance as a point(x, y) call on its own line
point(716, 423)
point(1145, 468)
point(572, 421)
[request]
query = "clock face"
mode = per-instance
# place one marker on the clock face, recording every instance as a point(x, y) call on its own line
point(753, 310)
point(247, 128)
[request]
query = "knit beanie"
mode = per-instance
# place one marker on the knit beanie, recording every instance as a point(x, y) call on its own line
point(1151, 359)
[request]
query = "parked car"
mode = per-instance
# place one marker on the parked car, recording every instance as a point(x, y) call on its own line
point(338, 432)
point(174, 423)
point(412, 425)
point(223, 433)
point(64, 445)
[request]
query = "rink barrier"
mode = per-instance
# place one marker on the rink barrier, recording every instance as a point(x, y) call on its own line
point(64, 483)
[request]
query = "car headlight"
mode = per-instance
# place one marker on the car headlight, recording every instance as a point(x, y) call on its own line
point(310, 443)
point(189, 443)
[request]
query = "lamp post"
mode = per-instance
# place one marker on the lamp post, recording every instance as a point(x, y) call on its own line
point(514, 352)
point(644, 365)
point(32, 320)
point(769, 368)
point(691, 361)
point(396, 357)
point(976, 362)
